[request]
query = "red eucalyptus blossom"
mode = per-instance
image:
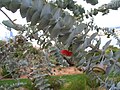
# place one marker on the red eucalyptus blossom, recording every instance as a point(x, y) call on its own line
point(66, 52)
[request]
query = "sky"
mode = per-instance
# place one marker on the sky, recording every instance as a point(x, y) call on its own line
point(109, 20)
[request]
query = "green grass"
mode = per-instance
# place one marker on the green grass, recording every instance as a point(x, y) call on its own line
point(70, 82)
point(9, 82)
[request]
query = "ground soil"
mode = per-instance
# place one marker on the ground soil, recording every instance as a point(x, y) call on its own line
point(59, 71)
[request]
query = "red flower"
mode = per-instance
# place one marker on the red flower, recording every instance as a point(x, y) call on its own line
point(66, 52)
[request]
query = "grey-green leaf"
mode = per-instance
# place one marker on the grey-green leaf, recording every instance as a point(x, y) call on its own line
point(56, 30)
point(75, 46)
point(38, 4)
point(25, 5)
point(57, 14)
point(5, 2)
point(106, 45)
point(8, 23)
point(71, 36)
point(63, 38)
point(68, 21)
point(44, 22)
point(91, 38)
point(35, 18)
point(15, 5)
point(29, 14)
point(118, 85)
point(46, 10)
point(97, 44)
point(83, 26)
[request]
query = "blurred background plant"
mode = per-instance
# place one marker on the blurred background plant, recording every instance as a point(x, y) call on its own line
point(49, 22)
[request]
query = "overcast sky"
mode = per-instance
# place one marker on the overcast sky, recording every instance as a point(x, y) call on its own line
point(109, 20)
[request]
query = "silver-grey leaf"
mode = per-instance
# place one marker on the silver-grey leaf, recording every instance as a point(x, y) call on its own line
point(51, 28)
point(29, 14)
point(8, 24)
point(79, 28)
point(82, 26)
point(25, 5)
point(85, 44)
point(97, 44)
point(15, 5)
point(57, 14)
point(46, 10)
point(111, 54)
point(1, 5)
point(81, 62)
point(44, 22)
point(56, 30)
point(71, 36)
point(91, 38)
point(118, 85)
point(106, 45)
point(35, 18)
point(5, 2)
point(68, 21)
point(63, 38)
point(38, 4)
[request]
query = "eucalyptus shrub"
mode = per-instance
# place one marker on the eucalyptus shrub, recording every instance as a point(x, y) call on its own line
point(20, 58)
point(71, 32)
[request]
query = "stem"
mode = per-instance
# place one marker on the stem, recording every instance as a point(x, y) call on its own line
point(99, 78)
point(7, 16)
point(5, 76)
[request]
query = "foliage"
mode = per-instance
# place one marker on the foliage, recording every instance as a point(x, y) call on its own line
point(69, 30)
point(55, 52)
point(21, 58)
point(114, 5)
point(5, 73)
point(114, 49)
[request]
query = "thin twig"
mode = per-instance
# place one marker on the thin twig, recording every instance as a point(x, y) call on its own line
point(7, 16)
point(9, 73)
point(5, 76)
